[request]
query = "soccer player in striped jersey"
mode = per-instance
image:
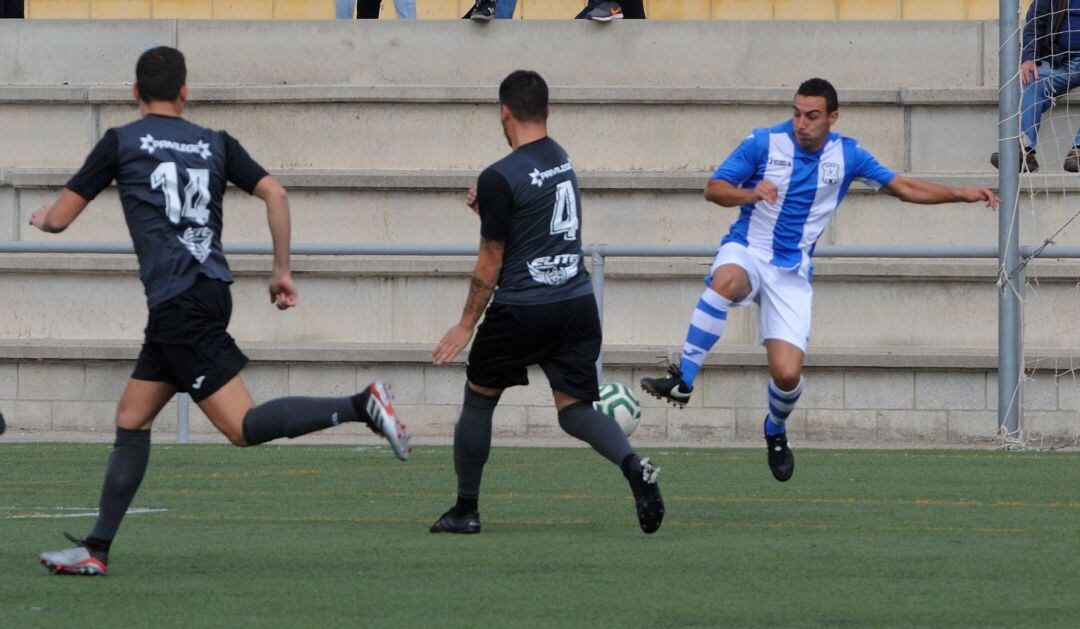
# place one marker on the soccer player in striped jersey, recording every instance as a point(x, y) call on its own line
point(787, 181)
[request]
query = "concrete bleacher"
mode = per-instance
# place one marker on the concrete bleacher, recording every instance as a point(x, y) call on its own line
point(377, 129)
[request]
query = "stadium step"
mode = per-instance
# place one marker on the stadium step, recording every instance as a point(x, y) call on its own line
point(949, 53)
point(922, 396)
point(455, 127)
point(859, 303)
point(619, 207)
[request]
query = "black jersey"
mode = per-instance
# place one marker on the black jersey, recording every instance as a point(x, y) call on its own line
point(530, 201)
point(171, 175)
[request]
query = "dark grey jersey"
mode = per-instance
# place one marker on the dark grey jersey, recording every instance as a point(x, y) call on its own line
point(530, 201)
point(171, 176)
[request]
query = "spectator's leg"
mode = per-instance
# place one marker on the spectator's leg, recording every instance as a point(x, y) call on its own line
point(406, 9)
point(1034, 101)
point(367, 9)
point(343, 9)
point(633, 9)
point(504, 9)
point(589, 6)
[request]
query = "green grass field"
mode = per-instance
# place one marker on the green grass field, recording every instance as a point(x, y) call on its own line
point(337, 536)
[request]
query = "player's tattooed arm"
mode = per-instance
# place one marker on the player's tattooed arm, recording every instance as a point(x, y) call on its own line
point(481, 288)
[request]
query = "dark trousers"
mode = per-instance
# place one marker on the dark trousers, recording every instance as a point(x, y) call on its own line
point(367, 9)
point(11, 9)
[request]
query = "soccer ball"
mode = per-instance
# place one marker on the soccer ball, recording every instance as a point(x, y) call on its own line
point(619, 403)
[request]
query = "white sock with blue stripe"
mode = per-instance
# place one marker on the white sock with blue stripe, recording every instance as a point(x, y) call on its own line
point(781, 403)
point(706, 326)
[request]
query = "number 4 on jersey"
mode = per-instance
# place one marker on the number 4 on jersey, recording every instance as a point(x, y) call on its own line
point(196, 192)
point(564, 220)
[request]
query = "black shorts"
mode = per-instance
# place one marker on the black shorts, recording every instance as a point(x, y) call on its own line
point(564, 338)
point(187, 344)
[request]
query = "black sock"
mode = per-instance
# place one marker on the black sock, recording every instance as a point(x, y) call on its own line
point(99, 548)
point(466, 505)
point(598, 430)
point(627, 466)
point(295, 416)
point(127, 466)
point(472, 441)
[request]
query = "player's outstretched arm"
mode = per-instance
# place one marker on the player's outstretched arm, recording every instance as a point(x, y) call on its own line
point(915, 190)
point(282, 289)
point(482, 286)
point(55, 218)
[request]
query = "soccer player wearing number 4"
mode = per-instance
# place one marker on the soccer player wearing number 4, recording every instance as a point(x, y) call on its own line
point(171, 175)
point(787, 180)
point(543, 311)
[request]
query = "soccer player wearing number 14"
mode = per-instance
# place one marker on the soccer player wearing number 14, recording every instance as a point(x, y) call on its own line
point(788, 180)
point(171, 176)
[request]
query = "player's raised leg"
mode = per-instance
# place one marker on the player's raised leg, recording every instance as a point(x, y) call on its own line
point(140, 404)
point(580, 420)
point(233, 412)
point(730, 285)
point(783, 391)
point(472, 446)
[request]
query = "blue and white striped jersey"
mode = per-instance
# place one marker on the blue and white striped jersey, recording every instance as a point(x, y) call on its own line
point(810, 187)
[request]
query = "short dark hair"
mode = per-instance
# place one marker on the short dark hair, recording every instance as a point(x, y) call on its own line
point(525, 94)
point(160, 73)
point(820, 87)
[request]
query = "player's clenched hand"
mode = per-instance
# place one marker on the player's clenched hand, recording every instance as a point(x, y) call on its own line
point(455, 340)
point(981, 193)
point(283, 291)
point(470, 200)
point(765, 190)
point(37, 219)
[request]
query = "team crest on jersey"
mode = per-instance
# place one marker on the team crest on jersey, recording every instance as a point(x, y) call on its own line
point(149, 144)
point(554, 270)
point(539, 176)
point(830, 173)
point(198, 240)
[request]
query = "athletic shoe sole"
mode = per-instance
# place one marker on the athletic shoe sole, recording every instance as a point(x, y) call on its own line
point(380, 408)
point(648, 388)
point(89, 568)
point(606, 18)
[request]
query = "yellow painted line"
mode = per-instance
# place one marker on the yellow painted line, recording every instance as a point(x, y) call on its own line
point(448, 494)
point(668, 524)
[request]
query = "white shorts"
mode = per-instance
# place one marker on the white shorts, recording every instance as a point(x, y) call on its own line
point(784, 298)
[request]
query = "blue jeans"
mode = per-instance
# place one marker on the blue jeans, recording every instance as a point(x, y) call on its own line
point(1039, 95)
point(406, 9)
point(504, 9)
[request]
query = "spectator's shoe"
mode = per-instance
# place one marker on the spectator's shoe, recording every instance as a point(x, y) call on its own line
point(1027, 161)
point(781, 460)
point(669, 387)
point(1072, 160)
point(376, 409)
point(77, 561)
point(482, 11)
point(642, 476)
point(606, 11)
point(451, 522)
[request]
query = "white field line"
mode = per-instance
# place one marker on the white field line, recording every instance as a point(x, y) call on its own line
point(71, 512)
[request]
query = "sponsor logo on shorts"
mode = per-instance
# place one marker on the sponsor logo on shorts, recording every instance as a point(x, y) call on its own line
point(198, 382)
